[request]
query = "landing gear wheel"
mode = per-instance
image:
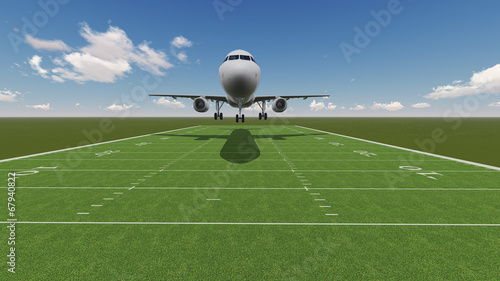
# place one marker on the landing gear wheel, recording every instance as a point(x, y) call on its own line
point(242, 118)
point(236, 118)
point(220, 116)
point(260, 116)
point(265, 116)
point(215, 116)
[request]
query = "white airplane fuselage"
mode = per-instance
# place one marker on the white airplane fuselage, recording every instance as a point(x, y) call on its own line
point(239, 76)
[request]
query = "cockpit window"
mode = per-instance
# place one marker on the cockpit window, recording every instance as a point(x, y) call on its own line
point(243, 57)
point(234, 57)
point(226, 59)
point(253, 59)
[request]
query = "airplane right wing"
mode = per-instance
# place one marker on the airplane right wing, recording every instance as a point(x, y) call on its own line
point(270, 98)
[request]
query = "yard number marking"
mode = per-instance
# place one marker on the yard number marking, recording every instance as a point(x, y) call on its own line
point(365, 153)
point(427, 174)
point(335, 143)
point(142, 143)
point(34, 171)
point(107, 152)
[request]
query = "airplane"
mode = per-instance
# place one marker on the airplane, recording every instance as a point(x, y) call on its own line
point(239, 76)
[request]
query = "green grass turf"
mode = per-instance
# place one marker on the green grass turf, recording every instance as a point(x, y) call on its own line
point(473, 139)
point(260, 174)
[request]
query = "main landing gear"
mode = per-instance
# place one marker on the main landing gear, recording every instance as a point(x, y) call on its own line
point(218, 114)
point(262, 114)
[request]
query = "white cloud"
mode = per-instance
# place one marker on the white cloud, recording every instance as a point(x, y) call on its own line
point(358, 107)
point(8, 95)
point(343, 107)
point(316, 106)
point(353, 79)
point(87, 67)
point(168, 103)
point(181, 42)
point(117, 107)
point(182, 57)
point(393, 106)
point(41, 106)
point(495, 104)
point(48, 45)
point(331, 106)
point(421, 105)
point(107, 57)
point(77, 104)
point(57, 79)
point(35, 64)
point(483, 82)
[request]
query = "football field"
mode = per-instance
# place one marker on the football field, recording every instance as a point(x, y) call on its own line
point(251, 202)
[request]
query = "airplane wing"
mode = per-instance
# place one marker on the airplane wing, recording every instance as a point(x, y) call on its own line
point(270, 98)
point(210, 98)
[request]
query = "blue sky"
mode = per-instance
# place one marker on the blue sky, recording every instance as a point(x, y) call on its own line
point(98, 58)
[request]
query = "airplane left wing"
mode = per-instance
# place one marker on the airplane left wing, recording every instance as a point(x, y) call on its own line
point(270, 98)
point(210, 98)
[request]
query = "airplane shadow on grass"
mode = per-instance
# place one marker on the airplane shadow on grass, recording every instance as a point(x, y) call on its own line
point(240, 146)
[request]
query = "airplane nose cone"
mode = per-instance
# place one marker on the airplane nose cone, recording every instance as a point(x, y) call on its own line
point(238, 73)
point(239, 78)
point(240, 82)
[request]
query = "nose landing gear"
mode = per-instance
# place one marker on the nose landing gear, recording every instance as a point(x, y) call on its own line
point(242, 118)
point(239, 112)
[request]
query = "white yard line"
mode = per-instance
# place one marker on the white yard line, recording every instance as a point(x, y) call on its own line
point(410, 150)
point(93, 144)
point(259, 223)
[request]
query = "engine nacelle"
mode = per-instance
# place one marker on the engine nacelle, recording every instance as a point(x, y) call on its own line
point(200, 105)
point(279, 105)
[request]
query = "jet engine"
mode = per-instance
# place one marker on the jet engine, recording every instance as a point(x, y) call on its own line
point(279, 105)
point(200, 105)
